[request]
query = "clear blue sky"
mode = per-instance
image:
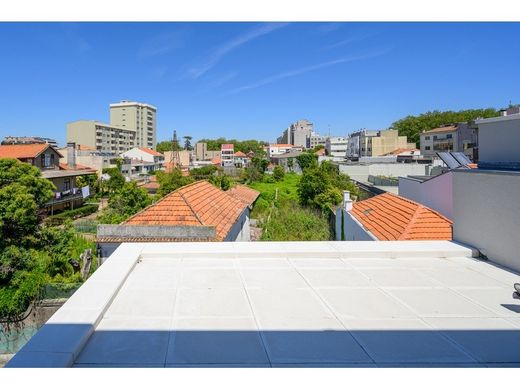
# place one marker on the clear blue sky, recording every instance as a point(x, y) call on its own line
point(251, 80)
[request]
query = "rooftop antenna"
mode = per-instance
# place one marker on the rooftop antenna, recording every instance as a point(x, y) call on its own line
point(176, 157)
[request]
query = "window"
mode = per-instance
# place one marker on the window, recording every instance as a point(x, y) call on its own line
point(449, 136)
point(427, 138)
point(426, 148)
point(66, 184)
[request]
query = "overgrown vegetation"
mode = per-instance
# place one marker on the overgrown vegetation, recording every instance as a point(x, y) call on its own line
point(412, 126)
point(62, 217)
point(31, 255)
point(124, 202)
point(243, 146)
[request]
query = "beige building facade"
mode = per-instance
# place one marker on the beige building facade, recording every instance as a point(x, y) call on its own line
point(203, 154)
point(101, 136)
point(140, 117)
point(385, 142)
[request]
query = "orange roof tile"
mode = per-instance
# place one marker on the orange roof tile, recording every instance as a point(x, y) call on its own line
point(199, 203)
point(281, 145)
point(79, 167)
point(240, 154)
point(399, 151)
point(151, 151)
point(23, 151)
point(216, 160)
point(244, 193)
point(391, 217)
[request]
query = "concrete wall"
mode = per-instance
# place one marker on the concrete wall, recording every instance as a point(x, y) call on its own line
point(436, 193)
point(486, 213)
point(361, 172)
point(354, 231)
point(241, 230)
point(82, 133)
point(499, 140)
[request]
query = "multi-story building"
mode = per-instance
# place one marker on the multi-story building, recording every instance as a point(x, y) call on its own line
point(101, 136)
point(87, 156)
point(316, 139)
point(147, 155)
point(140, 117)
point(15, 140)
point(372, 143)
point(336, 146)
point(227, 155)
point(277, 149)
point(457, 137)
point(203, 154)
point(297, 134)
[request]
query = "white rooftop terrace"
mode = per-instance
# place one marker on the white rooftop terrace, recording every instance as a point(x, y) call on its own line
point(271, 304)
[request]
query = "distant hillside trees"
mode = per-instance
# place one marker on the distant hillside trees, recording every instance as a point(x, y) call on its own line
point(412, 126)
point(246, 146)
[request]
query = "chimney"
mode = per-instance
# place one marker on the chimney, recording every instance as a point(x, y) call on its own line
point(71, 155)
point(347, 203)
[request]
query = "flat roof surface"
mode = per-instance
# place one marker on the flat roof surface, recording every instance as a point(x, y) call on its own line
point(275, 304)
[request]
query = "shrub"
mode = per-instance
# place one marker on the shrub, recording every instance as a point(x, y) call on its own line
point(278, 173)
point(82, 211)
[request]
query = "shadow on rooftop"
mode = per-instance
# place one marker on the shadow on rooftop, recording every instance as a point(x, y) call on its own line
point(74, 345)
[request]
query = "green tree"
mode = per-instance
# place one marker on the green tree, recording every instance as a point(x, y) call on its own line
point(412, 126)
point(187, 142)
point(89, 180)
point(205, 172)
point(127, 201)
point(307, 160)
point(290, 163)
point(278, 173)
point(166, 146)
point(221, 181)
point(170, 181)
point(116, 180)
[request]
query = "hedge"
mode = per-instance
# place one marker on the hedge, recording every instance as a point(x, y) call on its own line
point(82, 211)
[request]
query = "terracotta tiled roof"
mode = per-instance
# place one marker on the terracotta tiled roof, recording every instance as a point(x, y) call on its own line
point(216, 160)
point(391, 217)
point(199, 203)
point(399, 151)
point(281, 145)
point(444, 129)
point(244, 193)
point(151, 151)
point(79, 167)
point(22, 151)
point(240, 154)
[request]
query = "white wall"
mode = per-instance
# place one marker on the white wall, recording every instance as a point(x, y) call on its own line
point(353, 230)
point(499, 139)
point(361, 172)
point(436, 193)
point(486, 213)
point(138, 154)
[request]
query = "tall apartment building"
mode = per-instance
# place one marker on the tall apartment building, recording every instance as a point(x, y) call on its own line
point(458, 137)
point(297, 134)
point(140, 117)
point(356, 139)
point(227, 155)
point(101, 136)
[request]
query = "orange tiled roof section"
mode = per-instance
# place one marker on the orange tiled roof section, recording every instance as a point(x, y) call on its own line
point(151, 151)
point(401, 150)
point(240, 154)
point(22, 151)
point(244, 193)
point(199, 203)
point(391, 217)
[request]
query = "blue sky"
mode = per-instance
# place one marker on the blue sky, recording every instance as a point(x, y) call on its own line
point(251, 80)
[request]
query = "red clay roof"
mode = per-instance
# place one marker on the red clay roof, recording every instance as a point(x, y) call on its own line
point(23, 151)
point(199, 203)
point(244, 193)
point(79, 167)
point(391, 217)
point(216, 160)
point(151, 151)
point(281, 145)
point(240, 154)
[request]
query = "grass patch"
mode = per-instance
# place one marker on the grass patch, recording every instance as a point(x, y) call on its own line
point(287, 194)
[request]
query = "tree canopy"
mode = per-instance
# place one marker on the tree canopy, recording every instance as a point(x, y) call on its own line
point(125, 202)
point(245, 146)
point(412, 126)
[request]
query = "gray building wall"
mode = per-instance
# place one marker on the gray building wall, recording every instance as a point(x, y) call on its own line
point(499, 140)
point(361, 172)
point(352, 229)
point(241, 229)
point(486, 213)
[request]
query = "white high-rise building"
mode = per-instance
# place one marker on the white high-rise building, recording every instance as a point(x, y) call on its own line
point(141, 117)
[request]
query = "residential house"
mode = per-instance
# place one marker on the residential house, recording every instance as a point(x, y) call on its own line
point(389, 217)
point(241, 159)
point(277, 149)
point(288, 161)
point(47, 159)
point(457, 137)
point(227, 155)
point(152, 159)
point(244, 194)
